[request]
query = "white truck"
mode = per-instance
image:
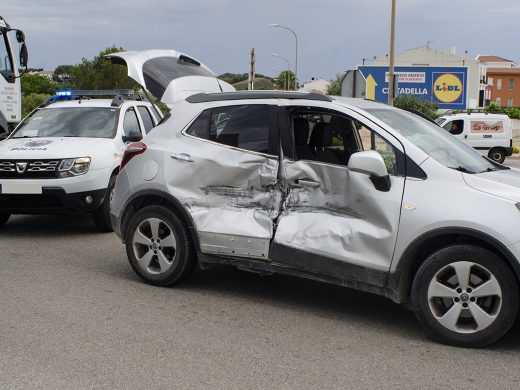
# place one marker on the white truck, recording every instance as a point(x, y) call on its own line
point(10, 91)
point(489, 133)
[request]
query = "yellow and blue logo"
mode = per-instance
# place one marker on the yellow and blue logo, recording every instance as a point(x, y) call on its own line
point(447, 88)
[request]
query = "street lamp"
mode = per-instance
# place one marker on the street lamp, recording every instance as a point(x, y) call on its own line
point(296, 53)
point(288, 68)
point(391, 61)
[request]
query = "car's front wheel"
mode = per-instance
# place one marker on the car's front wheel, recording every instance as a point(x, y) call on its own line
point(466, 296)
point(102, 215)
point(4, 218)
point(159, 246)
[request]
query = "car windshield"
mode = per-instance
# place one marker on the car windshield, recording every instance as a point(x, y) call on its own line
point(91, 122)
point(435, 141)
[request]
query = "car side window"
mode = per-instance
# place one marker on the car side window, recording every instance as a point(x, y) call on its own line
point(146, 117)
point(373, 141)
point(245, 126)
point(455, 127)
point(130, 123)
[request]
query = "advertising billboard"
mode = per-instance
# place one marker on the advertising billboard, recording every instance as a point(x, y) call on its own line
point(445, 86)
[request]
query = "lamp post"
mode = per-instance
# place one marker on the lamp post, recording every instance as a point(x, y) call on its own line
point(288, 68)
point(391, 61)
point(296, 52)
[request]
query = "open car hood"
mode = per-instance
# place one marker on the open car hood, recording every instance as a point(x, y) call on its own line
point(168, 74)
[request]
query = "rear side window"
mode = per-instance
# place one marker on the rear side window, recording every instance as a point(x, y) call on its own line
point(130, 124)
point(245, 127)
point(146, 118)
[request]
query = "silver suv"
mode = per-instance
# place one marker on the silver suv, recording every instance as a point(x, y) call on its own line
point(344, 191)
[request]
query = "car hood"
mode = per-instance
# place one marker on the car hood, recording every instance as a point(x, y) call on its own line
point(169, 75)
point(56, 148)
point(505, 183)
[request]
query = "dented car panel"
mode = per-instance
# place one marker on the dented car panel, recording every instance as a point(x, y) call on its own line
point(343, 218)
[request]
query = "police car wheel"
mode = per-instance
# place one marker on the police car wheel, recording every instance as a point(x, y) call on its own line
point(102, 215)
point(4, 218)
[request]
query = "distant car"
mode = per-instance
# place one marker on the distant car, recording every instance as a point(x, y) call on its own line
point(64, 157)
point(489, 133)
point(344, 191)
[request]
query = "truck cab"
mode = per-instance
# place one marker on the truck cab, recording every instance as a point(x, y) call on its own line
point(10, 87)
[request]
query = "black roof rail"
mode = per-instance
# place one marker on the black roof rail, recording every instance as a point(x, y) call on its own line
point(247, 95)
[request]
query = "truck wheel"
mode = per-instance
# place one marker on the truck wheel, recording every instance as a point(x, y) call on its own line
point(497, 154)
point(465, 296)
point(102, 215)
point(4, 218)
point(159, 247)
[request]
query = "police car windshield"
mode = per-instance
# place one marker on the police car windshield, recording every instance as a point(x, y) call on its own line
point(89, 122)
point(435, 141)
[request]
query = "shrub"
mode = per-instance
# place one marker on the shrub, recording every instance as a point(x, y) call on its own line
point(512, 112)
point(410, 102)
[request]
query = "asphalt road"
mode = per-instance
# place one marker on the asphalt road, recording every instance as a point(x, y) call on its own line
point(73, 316)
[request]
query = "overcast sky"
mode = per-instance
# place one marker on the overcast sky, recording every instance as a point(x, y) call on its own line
point(334, 35)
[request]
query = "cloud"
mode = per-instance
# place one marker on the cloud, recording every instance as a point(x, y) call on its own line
point(334, 35)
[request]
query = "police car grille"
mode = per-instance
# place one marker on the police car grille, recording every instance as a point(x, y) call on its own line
point(42, 169)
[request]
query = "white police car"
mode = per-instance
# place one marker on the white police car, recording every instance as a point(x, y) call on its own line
point(64, 157)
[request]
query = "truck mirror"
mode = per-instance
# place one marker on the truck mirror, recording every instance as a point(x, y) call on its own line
point(24, 56)
point(20, 36)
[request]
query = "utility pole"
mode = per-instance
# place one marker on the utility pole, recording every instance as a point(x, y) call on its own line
point(391, 62)
point(251, 78)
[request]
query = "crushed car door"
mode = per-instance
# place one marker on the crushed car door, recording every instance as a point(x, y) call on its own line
point(168, 74)
point(334, 220)
point(225, 169)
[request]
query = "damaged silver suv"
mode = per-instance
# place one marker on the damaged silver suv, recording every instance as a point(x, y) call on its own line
point(344, 191)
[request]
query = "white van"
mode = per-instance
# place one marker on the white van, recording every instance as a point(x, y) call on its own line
point(489, 133)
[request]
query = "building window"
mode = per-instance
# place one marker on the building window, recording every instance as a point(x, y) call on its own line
point(511, 83)
point(498, 101)
point(510, 102)
point(499, 84)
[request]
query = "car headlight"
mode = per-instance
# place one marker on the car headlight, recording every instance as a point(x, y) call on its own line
point(74, 167)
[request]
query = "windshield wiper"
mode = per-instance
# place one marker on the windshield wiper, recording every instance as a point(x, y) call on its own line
point(460, 168)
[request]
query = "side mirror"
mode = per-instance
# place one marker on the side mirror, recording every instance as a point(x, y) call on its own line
point(371, 163)
point(20, 36)
point(132, 137)
point(3, 135)
point(24, 56)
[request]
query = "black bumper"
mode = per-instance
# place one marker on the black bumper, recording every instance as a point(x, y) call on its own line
point(53, 200)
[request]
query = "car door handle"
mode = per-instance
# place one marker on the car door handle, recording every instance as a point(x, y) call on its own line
point(307, 183)
point(182, 157)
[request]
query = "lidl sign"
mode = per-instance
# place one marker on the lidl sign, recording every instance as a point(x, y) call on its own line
point(445, 86)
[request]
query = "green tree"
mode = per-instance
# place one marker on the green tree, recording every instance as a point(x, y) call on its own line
point(410, 102)
point(285, 80)
point(334, 87)
point(100, 73)
point(33, 83)
point(62, 73)
point(31, 101)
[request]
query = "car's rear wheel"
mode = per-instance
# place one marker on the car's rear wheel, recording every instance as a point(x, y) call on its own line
point(497, 154)
point(465, 296)
point(4, 218)
point(102, 215)
point(159, 246)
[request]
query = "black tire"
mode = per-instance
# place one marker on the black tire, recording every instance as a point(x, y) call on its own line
point(101, 216)
point(497, 154)
point(182, 259)
point(4, 218)
point(501, 309)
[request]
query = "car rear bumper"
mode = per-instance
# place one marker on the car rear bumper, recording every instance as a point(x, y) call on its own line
point(52, 200)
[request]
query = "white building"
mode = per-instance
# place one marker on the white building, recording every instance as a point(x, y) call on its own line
point(426, 56)
point(315, 85)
